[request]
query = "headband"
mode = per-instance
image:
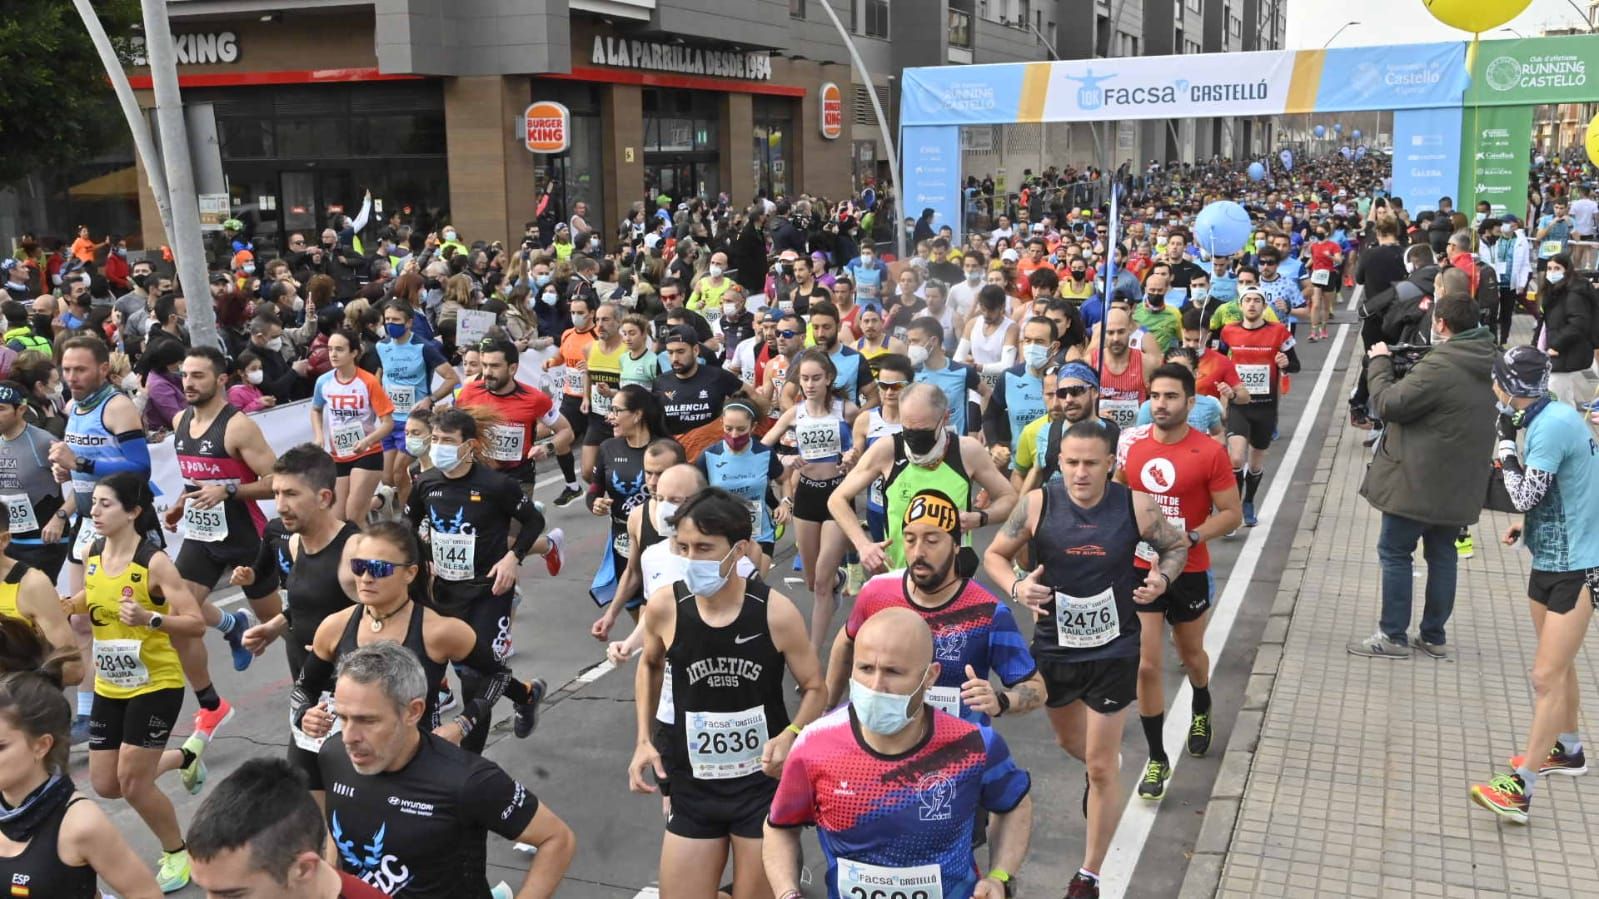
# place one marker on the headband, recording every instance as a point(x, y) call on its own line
point(934, 508)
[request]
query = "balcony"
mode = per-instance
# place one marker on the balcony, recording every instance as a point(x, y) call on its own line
point(960, 37)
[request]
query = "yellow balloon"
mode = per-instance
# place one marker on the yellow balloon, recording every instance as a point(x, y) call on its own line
point(1475, 16)
point(1593, 140)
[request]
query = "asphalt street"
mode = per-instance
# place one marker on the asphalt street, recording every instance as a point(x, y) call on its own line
point(576, 761)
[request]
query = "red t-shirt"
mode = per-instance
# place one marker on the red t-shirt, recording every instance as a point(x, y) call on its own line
point(1215, 368)
point(1181, 477)
point(1254, 353)
point(352, 887)
point(509, 442)
point(1321, 255)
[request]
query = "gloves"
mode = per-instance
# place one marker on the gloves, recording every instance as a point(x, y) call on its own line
point(1506, 449)
point(1506, 428)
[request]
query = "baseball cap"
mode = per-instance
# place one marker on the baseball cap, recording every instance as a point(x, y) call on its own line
point(682, 334)
point(10, 396)
point(1010, 256)
point(220, 278)
point(774, 314)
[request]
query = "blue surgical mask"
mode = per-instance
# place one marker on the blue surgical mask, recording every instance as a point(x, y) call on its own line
point(882, 713)
point(445, 456)
point(1555, 276)
point(1035, 355)
point(71, 321)
point(541, 280)
point(416, 446)
point(704, 576)
point(396, 331)
point(1504, 407)
point(548, 297)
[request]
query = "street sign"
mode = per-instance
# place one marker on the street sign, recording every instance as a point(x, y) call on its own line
point(213, 211)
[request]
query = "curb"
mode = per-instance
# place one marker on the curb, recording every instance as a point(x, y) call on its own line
point(1203, 877)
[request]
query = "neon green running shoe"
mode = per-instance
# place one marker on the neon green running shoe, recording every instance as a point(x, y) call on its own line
point(173, 874)
point(1153, 786)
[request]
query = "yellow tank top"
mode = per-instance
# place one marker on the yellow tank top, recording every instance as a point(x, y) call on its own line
point(870, 353)
point(8, 593)
point(128, 661)
point(604, 368)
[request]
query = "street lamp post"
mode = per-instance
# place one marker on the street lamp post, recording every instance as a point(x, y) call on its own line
point(882, 123)
point(1338, 32)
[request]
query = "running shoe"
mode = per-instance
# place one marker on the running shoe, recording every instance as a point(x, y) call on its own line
point(242, 621)
point(1504, 795)
point(1153, 786)
point(1249, 515)
point(173, 872)
point(1464, 547)
point(1082, 887)
point(527, 713)
point(193, 776)
point(555, 557)
point(80, 730)
point(1359, 419)
point(568, 496)
point(207, 721)
point(1558, 762)
point(1435, 650)
point(840, 580)
point(1199, 734)
point(447, 699)
point(1378, 646)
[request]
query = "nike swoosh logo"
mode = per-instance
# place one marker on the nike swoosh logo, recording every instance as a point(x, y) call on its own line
point(740, 641)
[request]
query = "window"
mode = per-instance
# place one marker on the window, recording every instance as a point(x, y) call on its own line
point(877, 18)
point(796, 9)
point(1102, 45)
point(960, 29)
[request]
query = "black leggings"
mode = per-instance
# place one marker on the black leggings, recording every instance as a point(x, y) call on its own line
point(1508, 301)
point(1370, 333)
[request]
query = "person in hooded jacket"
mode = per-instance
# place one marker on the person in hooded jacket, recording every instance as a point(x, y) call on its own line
point(1566, 331)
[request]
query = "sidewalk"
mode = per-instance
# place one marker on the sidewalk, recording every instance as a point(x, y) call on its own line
point(1355, 781)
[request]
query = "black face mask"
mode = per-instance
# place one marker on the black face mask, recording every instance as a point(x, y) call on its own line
point(1157, 300)
point(920, 440)
point(41, 325)
point(1078, 276)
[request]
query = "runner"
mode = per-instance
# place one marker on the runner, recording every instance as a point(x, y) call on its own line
point(894, 374)
point(852, 375)
point(819, 426)
point(989, 342)
point(1215, 375)
point(1187, 473)
point(924, 455)
point(409, 365)
point(138, 684)
point(38, 515)
point(351, 415)
point(1018, 398)
point(1084, 530)
point(1326, 261)
point(879, 837)
point(647, 529)
point(638, 365)
point(306, 553)
point(464, 511)
point(1557, 486)
point(925, 348)
point(574, 354)
point(602, 377)
point(1206, 416)
point(56, 842)
point(728, 641)
point(524, 414)
point(1073, 394)
point(259, 834)
point(873, 344)
point(384, 772)
point(692, 394)
point(1123, 380)
point(790, 338)
point(27, 595)
point(1263, 352)
point(751, 471)
point(619, 485)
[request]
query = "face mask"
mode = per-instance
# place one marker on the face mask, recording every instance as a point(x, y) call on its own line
point(663, 513)
point(130, 382)
point(866, 259)
point(249, 268)
point(275, 344)
point(445, 457)
point(1035, 355)
point(395, 331)
point(736, 444)
point(918, 354)
point(433, 297)
point(416, 446)
point(1480, 216)
point(580, 321)
point(881, 713)
point(920, 440)
point(729, 310)
point(1078, 276)
point(1200, 294)
point(298, 304)
point(704, 576)
point(1156, 300)
point(974, 277)
point(541, 280)
point(1506, 230)
point(548, 298)
point(1504, 407)
point(71, 321)
point(1555, 276)
point(449, 235)
point(715, 271)
point(254, 375)
point(121, 251)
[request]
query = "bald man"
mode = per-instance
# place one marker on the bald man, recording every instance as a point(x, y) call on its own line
point(1124, 372)
point(847, 774)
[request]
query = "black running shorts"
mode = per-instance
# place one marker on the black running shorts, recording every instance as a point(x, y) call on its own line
point(1254, 420)
point(1559, 591)
point(1105, 685)
point(1187, 599)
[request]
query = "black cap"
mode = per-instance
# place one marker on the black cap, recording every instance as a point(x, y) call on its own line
point(220, 278)
point(683, 333)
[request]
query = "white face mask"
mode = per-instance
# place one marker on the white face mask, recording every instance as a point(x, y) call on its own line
point(918, 354)
point(254, 375)
point(663, 511)
point(299, 303)
point(729, 310)
point(275, 344)
point(715, 271)
point(130, 382)
point(1555, 275)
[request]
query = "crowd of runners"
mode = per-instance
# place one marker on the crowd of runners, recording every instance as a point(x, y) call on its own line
point(1001, 465)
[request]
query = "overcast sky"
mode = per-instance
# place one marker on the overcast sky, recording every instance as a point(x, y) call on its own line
point(1312, 22)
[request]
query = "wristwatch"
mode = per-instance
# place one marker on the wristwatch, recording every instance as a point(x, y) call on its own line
point(1004, 702)
point(63, 514)
point(1193, 538)
point(233, 490)
point(155, 621)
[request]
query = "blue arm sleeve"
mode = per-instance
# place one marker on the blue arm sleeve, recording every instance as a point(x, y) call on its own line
point(135, 456)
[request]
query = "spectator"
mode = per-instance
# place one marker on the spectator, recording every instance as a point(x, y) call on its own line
point(84, 247)
point(747, 253)
point(163, 386)
point(116, 268)
point(1565, 332)
point(327, 321)
point(280, 379)
point(19, 334)
point(245, 394)
point(171, 311)
point(37, 372)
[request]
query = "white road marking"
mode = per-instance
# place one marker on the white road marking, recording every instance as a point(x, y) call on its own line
point(593, 674)
point(1138, 818)
point(648, 893)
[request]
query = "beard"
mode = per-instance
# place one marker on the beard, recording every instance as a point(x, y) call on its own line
point(927, 576)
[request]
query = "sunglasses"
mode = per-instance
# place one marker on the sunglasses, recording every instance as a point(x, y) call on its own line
point(1072, 391)
point(378, 568)
point(891, 385)
point(788, 335)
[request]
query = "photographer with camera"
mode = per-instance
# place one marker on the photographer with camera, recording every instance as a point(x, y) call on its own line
point(1429, 471)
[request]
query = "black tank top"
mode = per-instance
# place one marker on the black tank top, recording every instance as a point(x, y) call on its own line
point(1087, 556)
point(205, 459)
point(725, 680)
point(648, 536)
point(313, 592)
point(39, 870)
point(414, 642)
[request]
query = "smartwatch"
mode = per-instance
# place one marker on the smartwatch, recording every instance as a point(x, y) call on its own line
point(1193, 539)
point(155, 621)
point(233, 490)
point(1004, 702)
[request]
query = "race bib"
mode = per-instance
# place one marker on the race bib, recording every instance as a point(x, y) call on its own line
point(205, 525)
point(599, 403)
point(86, 536)
point(713, 317)
point(858, 880)
point(754, 505)
point(505, 442)
point(1122, 411)
point(818, 438)
point(874, 494)
point(309, 743)
point(945, 699)
point(346, 436)
point(1255, 378)
point(993, 380)
point(1321, 277)
point(1086, 623)
point(726, 745)
point(1549, 248)
point(622, 546)
point(403, 398)
point(118, 663)
point(574, 381)
point(19, 510)
point(454, 556)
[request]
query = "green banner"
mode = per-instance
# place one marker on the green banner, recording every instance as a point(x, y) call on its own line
point(1496, 146)
point(1534, 71)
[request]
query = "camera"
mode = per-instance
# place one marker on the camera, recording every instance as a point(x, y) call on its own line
point(1405, 356)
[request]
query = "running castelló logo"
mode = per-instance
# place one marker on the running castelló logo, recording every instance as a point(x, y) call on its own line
point(1506, 73)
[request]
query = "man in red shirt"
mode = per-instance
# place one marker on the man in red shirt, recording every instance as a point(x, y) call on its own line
point(1262, 352)
point(523, 412)
point(1325, 258)
point(1189, 476)
point(1216, 376)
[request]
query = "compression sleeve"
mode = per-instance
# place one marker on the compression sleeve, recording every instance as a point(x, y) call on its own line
point(962, 349)
point(135, 456)
point(532, 525)
point(316, 676)
point(1007, 358)
point(1526, 488)
point(266, 571)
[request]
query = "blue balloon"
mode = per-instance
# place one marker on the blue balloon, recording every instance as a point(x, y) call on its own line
point(1319, 131)
point(1256, 171)
point(1222, 228)
point(1338, 127)
point(1355, 134)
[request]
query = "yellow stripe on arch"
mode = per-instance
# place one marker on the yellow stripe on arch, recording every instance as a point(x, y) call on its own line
point(1306, 82)
point(1035, 88)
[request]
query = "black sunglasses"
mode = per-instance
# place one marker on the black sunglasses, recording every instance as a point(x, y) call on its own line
point(788, 335)
point(378, 568)
point(1074, 391)
point(892, 385)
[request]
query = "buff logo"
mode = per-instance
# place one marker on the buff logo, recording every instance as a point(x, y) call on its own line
point(723, 671)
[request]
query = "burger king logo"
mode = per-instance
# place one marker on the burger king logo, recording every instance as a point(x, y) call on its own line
point(832, 111)
point(549, 127)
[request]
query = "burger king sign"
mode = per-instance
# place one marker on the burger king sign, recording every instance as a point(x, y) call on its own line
point(832, 111)
point(549, 127)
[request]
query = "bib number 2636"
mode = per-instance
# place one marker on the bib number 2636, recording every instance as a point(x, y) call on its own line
point(858, 880)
